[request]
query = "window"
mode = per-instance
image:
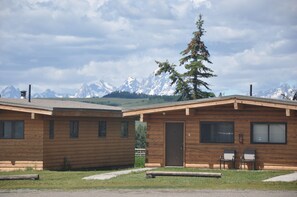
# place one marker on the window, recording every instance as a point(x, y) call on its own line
point(217, 132)
point(124, 129)
point(269, 133)
point(74, 129)
point(51, 129)
point(11, 129)
point(102, 129)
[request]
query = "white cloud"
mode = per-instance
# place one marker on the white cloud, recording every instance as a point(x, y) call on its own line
point(71, 42)
point(72, 39)
point(116, 72)
point(199, 3)
point(258, 66)
point(227, 34)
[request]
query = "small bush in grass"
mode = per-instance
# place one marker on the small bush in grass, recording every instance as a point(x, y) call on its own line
point(139, 161)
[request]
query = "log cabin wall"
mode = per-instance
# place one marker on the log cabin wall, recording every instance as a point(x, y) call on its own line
point(24, 153)
point(196, 154)
point(88, 150)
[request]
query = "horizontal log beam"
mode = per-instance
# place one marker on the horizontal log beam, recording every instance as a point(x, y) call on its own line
point(175, 107)
point(26, 110)
point(153, 174)
point(20, 177)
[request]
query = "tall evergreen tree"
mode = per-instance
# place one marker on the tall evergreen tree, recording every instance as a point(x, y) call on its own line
point(189, 84)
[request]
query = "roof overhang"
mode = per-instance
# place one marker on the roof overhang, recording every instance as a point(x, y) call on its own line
point(237, 101)
point(26, 109)
point(57, 111)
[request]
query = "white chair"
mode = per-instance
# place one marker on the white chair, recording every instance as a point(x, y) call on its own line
point(228, 156)
point(249, 156)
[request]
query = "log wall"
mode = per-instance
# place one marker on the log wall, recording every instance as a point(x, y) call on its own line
point(88, 150)
point(196, 154)
point(24, 153)
point(37, 151)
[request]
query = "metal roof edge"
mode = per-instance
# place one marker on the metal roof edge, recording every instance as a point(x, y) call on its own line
point(213, 99)
point(31, 106)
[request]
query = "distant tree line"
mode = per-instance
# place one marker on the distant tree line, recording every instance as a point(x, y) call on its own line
point(129, 95)
point(125, 94)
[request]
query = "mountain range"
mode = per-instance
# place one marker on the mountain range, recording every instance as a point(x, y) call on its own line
point(284, 91)
point(152, 85)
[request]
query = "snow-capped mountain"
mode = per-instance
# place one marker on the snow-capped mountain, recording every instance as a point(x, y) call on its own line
point(284, 91)
point(94, 90)
point(130, 85)
point(10, 92)
point(152, 85)
point(48, 94)
point(156, 85)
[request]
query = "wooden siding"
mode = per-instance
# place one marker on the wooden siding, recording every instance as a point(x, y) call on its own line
point(39, 152)
point(22, 153)
point(88, 150)
point(269, 156)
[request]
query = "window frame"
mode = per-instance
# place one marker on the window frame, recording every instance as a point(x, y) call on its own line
point(51, 129)
point(13, 129)
point(123, 132)
point(217, 122)
point(99, 129)
point(72, 124)
point(268, 123)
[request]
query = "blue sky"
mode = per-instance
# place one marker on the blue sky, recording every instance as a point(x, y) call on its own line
point(60, 44)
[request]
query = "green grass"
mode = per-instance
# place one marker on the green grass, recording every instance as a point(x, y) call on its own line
point(121, 102)
point(139, 162)
point(231, 179)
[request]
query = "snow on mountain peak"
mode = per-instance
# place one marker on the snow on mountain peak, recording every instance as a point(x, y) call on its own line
point(130, 85)
point(283, 91)
point(10, 92)
point(157, 85)
point(152, 85)
point(48, 93)
point(130, 79)
point(155, 71)
point(97, 89)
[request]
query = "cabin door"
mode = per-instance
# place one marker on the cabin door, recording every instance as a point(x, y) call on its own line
point(174, 144)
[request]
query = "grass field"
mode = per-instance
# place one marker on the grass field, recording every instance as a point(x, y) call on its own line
point(69, 180)
point(120, 102)
point(139, 162)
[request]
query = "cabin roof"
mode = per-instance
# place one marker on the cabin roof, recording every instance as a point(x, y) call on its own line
point(50, 106)
point(233, 99)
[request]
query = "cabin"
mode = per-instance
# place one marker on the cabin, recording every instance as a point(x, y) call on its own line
point(56, 135)
point(196, 133)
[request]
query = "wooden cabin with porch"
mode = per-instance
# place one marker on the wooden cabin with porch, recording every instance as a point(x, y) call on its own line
point(56, 134)
point(196, 133)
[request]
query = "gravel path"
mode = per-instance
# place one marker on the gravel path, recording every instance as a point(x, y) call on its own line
point(109, 175)
point(146, 193)
point(283, 178)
